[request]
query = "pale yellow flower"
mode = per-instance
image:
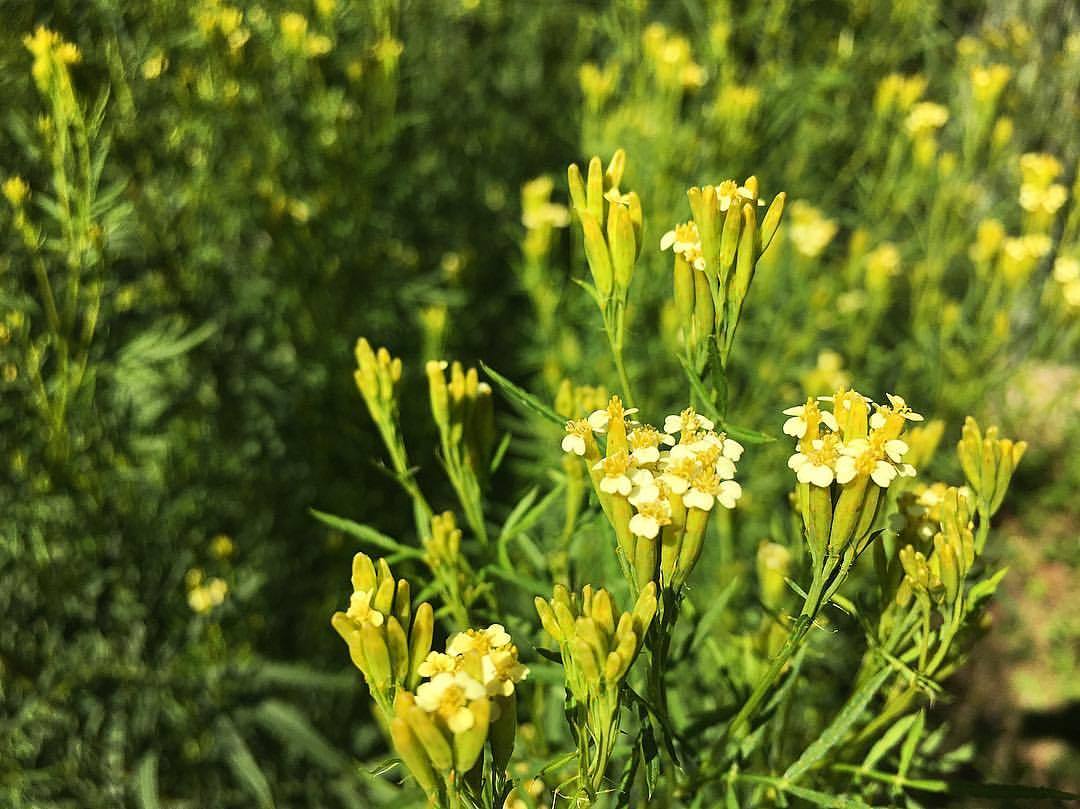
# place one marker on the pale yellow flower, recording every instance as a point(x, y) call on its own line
point(448, 695)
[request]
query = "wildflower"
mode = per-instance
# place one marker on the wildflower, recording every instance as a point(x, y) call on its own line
point(1066, 269)
point(688, 422)
point(988, 82)
point(880, 459)
point(437, 663)
point(574, 440)
point(502, 671)
point(708, 487)
point(616, 469)
point(925, 117)
point(482, 641)
point(645, 444)
point(815, 463)
point(16, 191)
point(361, 610)
point(448, 696)
point(898, 406)
point(729, 191)
point(651, 516)
point(803, 416)
point(685, 241)
point(811, 231)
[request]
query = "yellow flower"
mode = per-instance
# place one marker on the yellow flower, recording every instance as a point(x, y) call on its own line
point(437, 663)
point(361, 609)
point(448, 696)
point(925, 117)
point(482, 641)
point(16, 191)
point(811, 231)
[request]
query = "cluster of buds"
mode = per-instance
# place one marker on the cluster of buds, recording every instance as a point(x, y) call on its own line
point(386, 640)
point(657, 491)
point(936, 564)
point(611, 224)
point(52, 57)
point(845, 460)
point(466, 702)
point(988, 463)
point(716, 255)
point(598, 645)
point(378, 376)
point(1040, 195)
point(463, 411)
point(453, 575)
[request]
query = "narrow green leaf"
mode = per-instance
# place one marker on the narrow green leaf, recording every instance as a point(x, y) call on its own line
point(984, 589)
point(244, 767)
point(500, 453)
point(531, 585)
point(839, 727)
point(296, 675)
point(697, 387)
point(525, 515)
point(294, 730)
point(811, 795)
point(522, 397)
point(911, 743)
point(888, 741)
point(965, 789)
point(146, 782)
point(365, 533)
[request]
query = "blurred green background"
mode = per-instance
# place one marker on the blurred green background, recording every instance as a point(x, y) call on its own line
point(249, 187)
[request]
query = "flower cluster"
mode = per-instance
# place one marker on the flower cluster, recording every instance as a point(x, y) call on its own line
point(387, 640)
point(657, 484)
point(684, 240)
point(848, 442)
point(466, 702)
point(484, 657)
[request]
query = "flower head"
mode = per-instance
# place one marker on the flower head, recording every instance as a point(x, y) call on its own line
point(478, 640)
point(361, 609)
point(448, 695)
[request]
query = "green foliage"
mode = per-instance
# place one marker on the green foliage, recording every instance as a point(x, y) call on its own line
point(219, 198)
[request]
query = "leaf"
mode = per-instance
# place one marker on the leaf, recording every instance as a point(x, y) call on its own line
point(742, 434)
point(365, 533)
point(294, 729)
point(500, 453)
point(911, 743)
point(531, 585)
point(888, 741)
point(243, 765)
point(146, 782)
point(297, 675)
point(626, 783)
point(746, 435)
point(984, 589)
point(522, 397)
point(966, 789)
point(811, 795)
point(524, 515)
point(698, 388)
point(839, 727)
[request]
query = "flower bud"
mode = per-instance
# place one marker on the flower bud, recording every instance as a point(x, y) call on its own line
point(577, 188)
point(594, 190)
point(596, 253)
point(623, 246)
point(413, 756)
point(503, 732)
point(431, 738)
point(420, 635)
point(771, 222)
point(470, 744)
